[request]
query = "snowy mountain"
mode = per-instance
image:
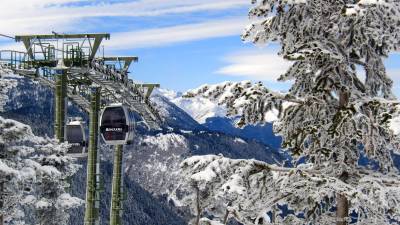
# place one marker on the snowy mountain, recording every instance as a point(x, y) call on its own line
point(213, 117)
point(200, 109)
point(150, 163)
point(153, 158)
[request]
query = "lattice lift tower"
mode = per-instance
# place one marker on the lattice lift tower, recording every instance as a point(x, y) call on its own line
point(69, 64)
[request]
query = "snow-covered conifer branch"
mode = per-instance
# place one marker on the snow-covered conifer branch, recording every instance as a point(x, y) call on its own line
point(251, 101)
point(34, 172)
point(5, 86)
point(249, 189)
point(339, 110)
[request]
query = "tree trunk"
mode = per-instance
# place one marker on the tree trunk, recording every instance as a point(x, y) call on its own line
point(342, 211)
point(198, 206)
point(343, 99)
point(1, 202)
point(273, 214)
point(342, 204)
point(226, 217)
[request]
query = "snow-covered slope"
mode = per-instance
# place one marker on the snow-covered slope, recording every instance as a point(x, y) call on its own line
point(153, 160)
point(213, 117)
point(150, 162)
point(173, 116)
point(199, 109)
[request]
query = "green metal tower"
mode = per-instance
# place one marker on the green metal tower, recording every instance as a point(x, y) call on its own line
point(116, 198)
point(60, 104)
point(1, 201)
point(92, 186)
point(62, 61)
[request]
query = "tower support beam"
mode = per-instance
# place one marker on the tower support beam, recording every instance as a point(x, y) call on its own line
point(1, 201)
point(117, 186)
point(60, 104)
point(92, 186)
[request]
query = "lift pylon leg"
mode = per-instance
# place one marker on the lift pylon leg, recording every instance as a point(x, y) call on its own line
point(116, 198)
point(92, 187)
point(1, 201)
point(60, 105)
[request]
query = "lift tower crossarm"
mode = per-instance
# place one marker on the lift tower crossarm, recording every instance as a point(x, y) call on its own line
point(150, 88)
point(127, 60)
point(19, 38)
point(27, 40)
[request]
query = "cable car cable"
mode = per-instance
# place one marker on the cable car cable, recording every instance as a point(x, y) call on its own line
point(7, 36)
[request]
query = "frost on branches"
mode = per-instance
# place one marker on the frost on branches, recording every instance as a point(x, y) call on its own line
point(34, 174)
point(5, 86)
point(254, 192)
point(338, 110)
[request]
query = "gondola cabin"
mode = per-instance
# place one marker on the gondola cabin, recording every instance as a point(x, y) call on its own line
point(117, 125)
point(75, 135)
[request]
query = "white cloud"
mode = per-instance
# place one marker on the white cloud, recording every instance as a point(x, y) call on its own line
point(266, 65)
point(31, 16)
point(175, 34)
point(394, 73)
point(44, 16)
point(262, 64)
point(13, 46)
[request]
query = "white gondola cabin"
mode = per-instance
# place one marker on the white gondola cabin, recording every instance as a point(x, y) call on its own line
point(75, 135)
point(117, 125)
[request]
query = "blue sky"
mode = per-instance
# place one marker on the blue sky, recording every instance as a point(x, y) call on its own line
point(181, 44)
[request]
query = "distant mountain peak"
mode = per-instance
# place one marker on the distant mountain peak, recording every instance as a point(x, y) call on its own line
point(200, 109)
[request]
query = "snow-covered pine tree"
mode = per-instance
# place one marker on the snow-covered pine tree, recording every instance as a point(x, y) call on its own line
point(5, 86)
point(34, 174)
point(338, 110)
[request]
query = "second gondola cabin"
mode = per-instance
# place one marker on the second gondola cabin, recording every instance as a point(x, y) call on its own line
point(75, 135)
point(117, 125)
